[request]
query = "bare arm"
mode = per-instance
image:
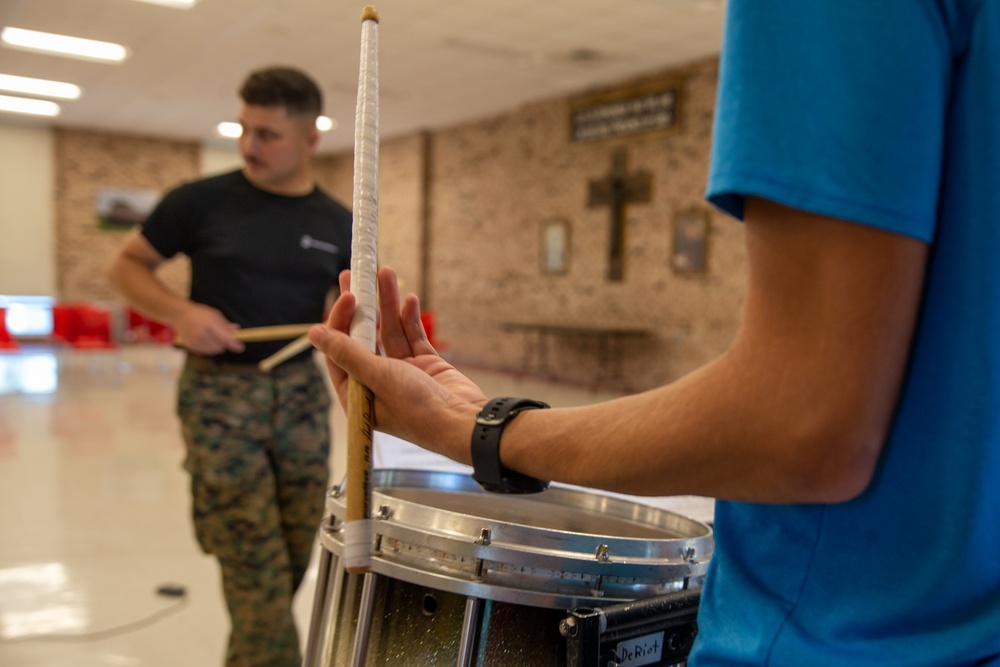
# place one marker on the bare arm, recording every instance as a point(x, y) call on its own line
point(796, 410)
point(200, 328)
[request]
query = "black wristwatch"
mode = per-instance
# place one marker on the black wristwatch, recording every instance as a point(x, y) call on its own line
point(487, 470)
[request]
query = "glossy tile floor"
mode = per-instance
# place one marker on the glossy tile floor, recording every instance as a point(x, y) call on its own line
point(95, 510)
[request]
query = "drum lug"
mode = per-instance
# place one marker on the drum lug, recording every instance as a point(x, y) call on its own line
point(485, 538)
point(602, 553)
point(384, 513)
point(689, 555)
point(597, 591)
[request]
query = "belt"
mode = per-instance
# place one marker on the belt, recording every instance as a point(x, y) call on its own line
point(202, 363)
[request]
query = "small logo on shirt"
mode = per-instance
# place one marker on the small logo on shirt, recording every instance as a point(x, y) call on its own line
point(309, 242)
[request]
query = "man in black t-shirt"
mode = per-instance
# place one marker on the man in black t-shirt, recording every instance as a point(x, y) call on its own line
point(266, 247)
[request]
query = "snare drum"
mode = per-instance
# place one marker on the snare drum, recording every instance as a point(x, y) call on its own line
point(465, 577)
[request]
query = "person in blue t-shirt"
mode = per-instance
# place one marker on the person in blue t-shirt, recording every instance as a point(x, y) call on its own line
point(852, 429)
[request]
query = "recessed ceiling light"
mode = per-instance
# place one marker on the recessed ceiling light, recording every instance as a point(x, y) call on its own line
point(64, 45)
point(235, 130)
point(179, 4)
point(229, 130)
point(24, 105)
point(40, 87)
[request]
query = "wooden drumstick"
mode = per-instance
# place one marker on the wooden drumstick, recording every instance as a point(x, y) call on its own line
point(284, 354)
point(364, 265)
point(264, 334)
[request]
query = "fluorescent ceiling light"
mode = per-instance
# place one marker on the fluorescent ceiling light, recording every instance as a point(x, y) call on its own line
point(24, 105)
point(179, 4)
point(40, 87)
point(64, 45)
point(235, 130)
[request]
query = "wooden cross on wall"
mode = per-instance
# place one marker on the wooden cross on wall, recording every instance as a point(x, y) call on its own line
point(617, 190)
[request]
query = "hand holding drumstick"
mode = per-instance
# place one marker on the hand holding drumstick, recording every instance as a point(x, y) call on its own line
point(410, 365)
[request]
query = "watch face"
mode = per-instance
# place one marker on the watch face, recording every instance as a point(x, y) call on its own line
point(525, 484)
point(515, 484)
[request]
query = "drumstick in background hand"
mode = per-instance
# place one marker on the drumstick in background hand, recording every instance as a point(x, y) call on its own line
point(264, 334)
point(364, 264)
point(284, 354)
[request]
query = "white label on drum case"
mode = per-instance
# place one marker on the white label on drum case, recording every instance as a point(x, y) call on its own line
point(644, 650)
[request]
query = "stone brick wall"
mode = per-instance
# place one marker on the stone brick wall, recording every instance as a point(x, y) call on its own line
point(88, 161)
point(493, 183)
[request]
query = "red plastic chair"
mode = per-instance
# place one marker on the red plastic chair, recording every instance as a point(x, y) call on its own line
point(161, 333)
point(92, 328)
point(63, 323)
point(427, 320)
point(7, 342)
point(142, 329)
point(136, 326)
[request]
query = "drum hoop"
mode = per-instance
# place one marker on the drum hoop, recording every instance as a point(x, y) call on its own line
point(510, 594)
point(514, 562)
point(692, 533)
point(582, 562)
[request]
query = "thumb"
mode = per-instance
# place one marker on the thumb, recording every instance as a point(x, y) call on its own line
point(340, 348)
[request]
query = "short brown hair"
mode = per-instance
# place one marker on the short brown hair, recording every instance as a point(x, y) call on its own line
point(284, 87)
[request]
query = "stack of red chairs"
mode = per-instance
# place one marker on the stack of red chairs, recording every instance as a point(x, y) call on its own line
point(136, 326)
point(6, 341)
point(161, 333)
point(63, 318)
point(92, 328)
point(84, 326)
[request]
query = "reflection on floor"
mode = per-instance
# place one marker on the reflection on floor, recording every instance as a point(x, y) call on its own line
point(96, 510)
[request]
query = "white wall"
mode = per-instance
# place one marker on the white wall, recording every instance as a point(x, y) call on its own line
point(27, 211)
point(217, 161)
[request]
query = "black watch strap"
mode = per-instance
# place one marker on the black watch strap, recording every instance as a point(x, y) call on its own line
point(490, 423)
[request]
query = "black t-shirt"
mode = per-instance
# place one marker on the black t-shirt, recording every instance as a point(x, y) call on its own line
point(260, 258)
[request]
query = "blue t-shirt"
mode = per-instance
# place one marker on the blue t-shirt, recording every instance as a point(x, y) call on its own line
point(885, 113)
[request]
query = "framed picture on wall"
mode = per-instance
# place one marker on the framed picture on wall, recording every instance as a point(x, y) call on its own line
point(124, 208)
point(690, 247)
point(555, 246)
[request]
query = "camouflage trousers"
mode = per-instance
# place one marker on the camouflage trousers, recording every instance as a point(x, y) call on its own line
point(257, 450)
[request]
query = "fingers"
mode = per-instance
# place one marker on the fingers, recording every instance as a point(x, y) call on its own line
point(338, 319)
point(230, 342)
point(410, 315)
point(394, 339)
point(345, 356)
point(403, 333)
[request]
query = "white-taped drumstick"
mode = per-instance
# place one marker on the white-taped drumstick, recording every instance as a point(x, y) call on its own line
point(358, 544)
